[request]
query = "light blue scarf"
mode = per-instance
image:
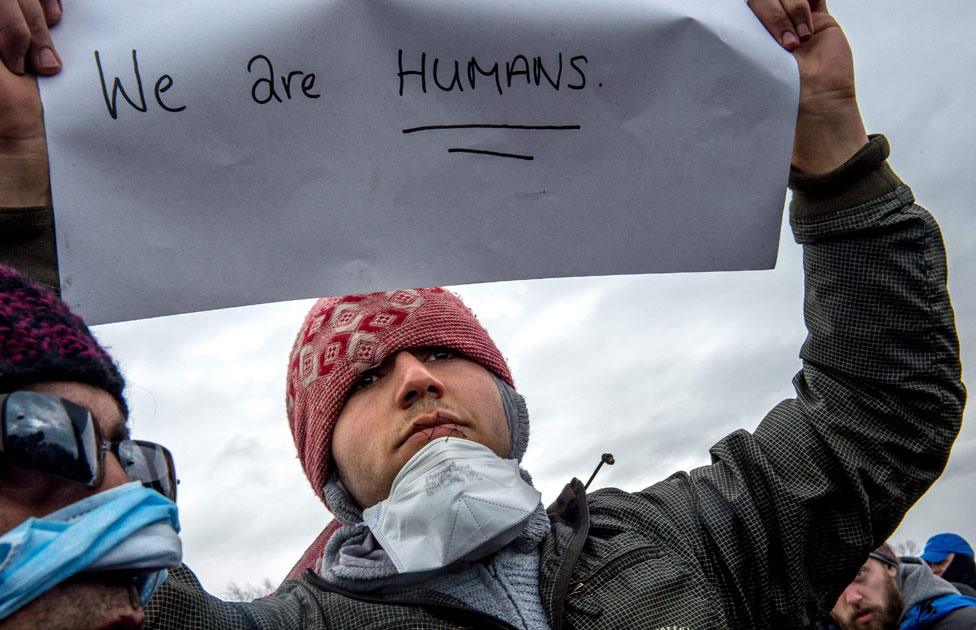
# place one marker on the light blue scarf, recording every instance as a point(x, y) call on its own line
point(126, 528)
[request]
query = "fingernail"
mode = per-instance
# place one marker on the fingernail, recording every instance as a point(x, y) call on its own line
point(789, 40)
point(47, 60)
point(56, 11)
point(803, 31)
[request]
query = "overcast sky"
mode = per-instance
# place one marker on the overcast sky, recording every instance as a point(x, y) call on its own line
point(653, 369)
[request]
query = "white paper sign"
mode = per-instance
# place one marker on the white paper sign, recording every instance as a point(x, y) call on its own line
point(207, 153)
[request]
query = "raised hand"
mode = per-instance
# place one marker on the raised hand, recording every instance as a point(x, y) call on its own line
point(25, 42)
point(25, 45)
point(829, 129)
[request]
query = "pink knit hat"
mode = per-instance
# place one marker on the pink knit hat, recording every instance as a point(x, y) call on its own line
point(342, 337)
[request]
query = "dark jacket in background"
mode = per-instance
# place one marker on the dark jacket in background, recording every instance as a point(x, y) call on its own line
point(27, 243)
point(962, 571)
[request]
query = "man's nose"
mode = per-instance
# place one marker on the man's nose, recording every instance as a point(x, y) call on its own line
point(114, 473)
point(853, 596)
point(414, 380)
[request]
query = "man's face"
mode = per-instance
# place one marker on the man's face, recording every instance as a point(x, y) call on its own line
point(939, 568)
point(77, 602)
point(414, 397)
point(872, 601)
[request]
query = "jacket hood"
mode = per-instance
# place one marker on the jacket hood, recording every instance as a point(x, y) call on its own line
point(918, 584)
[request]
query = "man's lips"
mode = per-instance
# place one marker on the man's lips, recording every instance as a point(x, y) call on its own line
point(432, 425)
point(126, 621)
point(129, 619)
point(865, 617)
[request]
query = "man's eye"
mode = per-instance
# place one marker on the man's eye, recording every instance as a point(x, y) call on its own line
point(439, 354)
point(365, 380)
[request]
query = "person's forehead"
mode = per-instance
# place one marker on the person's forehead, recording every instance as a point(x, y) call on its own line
point(103, 406)
point(422, 351)
point(472, 367)
point(874, 565)
point(876, 571)
point(880, 565)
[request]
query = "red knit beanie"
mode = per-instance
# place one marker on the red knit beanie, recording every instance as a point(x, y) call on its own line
point(342, 337)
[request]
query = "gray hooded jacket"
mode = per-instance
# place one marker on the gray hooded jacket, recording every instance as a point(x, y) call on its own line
point(918, 584)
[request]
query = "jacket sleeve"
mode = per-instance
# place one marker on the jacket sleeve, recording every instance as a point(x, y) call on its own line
point(785, 515)
point(181, 603)
point(27, 243)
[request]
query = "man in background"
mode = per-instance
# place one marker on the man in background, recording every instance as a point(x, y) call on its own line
point(889, 593)
point(83, 544)
point(951, 558)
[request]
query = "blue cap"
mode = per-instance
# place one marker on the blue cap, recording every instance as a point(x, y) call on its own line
point(941, 545)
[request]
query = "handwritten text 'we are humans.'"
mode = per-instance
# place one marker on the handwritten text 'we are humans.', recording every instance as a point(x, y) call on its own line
point(421, 73)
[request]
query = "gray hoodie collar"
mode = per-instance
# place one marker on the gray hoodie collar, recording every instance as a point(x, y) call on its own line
point(918, 584)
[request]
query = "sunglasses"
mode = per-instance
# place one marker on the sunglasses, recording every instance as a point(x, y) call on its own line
point(61, 438)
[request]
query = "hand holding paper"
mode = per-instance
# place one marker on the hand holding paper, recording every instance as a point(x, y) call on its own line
point(23, 152)
point(26, 42)
point(829, 129)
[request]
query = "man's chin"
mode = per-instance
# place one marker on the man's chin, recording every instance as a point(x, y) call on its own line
point(428, 434)
point(125, 621)
point(81, 604)
point(867, 620)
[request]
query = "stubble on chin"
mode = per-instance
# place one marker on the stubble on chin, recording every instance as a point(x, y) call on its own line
point(884, 619)
point(893, 605)
point(75, 605)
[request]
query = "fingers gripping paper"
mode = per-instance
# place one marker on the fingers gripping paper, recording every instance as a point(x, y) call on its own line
point(329, 146)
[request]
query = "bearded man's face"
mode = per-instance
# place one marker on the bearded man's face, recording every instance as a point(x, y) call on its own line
point(872, 601)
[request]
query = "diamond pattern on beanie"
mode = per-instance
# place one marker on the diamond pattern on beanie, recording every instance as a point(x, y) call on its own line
point(344, 336)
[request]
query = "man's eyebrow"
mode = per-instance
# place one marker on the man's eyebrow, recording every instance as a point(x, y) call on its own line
point(118, 432)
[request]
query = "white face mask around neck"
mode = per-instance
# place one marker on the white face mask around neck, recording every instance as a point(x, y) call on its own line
point(454, 499)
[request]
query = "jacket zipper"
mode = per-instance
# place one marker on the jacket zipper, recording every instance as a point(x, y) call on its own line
point(578, 587)
point(575, 547)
